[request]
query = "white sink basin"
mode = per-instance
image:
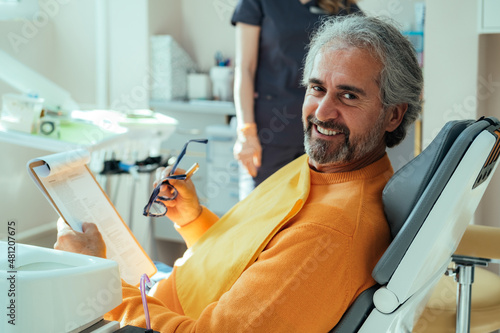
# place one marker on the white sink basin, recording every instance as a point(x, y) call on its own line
point(56, 291)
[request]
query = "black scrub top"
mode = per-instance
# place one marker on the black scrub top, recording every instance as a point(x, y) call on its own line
point(286, 26)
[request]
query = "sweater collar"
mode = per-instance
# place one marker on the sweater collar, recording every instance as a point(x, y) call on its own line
point(381, 166)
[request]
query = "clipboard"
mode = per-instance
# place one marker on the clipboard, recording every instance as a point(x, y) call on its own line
point(73, 191)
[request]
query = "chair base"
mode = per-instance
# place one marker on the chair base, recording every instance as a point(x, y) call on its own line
point(439, 315)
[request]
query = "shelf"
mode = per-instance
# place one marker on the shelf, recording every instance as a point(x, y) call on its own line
point(201, 106)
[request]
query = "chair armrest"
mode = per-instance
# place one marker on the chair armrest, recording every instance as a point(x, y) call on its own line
point(481, 242)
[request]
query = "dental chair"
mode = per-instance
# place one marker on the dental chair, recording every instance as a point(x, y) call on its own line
point(429, 203)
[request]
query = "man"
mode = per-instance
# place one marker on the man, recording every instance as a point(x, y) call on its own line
point(295, 254)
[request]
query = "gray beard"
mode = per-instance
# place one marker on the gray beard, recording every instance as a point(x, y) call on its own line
point(320, 150)
point(324, 152)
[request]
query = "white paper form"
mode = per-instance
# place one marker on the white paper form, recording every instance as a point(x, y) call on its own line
point(69, 185)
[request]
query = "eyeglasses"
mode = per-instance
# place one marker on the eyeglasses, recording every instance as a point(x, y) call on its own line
point(155, 206)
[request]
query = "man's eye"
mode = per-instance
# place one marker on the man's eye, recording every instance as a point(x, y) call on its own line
point(349, 96)
point(317, 88)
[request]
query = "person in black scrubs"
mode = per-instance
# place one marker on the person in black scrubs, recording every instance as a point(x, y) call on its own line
point(271, 42)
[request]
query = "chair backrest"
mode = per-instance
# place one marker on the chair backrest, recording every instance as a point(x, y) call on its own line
point(428, 204)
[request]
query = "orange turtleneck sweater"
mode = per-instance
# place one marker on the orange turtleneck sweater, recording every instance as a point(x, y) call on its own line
point(306, 277)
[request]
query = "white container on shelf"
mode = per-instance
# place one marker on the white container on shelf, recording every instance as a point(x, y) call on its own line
point(222, 82)
point(199, 86)
point(21, 113)
point(170, 66)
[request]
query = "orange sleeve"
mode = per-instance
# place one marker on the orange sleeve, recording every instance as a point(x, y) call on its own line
point(192, 231)
point(300, 283)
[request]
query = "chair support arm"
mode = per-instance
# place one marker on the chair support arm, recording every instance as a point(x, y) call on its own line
point(480, 241)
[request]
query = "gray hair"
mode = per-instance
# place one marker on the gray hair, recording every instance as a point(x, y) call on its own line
point(401, 79)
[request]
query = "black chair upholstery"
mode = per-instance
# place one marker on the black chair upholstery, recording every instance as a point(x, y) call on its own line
point(354, 317)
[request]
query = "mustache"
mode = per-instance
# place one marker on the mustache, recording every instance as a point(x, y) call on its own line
point(330, 125)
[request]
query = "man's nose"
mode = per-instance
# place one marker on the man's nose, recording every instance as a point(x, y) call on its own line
point(328, 108)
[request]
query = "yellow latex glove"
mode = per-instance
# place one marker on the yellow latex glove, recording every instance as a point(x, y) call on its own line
point(248, 149)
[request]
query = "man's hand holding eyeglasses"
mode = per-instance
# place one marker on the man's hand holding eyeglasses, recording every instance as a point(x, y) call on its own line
point(88, 242)
point(186, 206)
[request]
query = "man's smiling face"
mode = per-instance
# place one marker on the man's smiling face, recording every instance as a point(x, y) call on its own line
point(343, 117)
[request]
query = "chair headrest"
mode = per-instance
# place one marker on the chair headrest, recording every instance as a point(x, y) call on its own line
point(403, 190)
point(411, 193)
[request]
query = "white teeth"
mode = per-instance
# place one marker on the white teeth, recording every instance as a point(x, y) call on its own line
point(325, 131)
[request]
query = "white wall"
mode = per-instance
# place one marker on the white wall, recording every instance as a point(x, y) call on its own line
point(450, 64)
point(462, 79)
point(164, 18)
point(489, 105)
point(462, 76)
point(128, 51)
point(72, 58)
point(58, 44)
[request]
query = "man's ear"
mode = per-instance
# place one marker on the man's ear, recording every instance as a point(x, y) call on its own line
point(395, 116)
